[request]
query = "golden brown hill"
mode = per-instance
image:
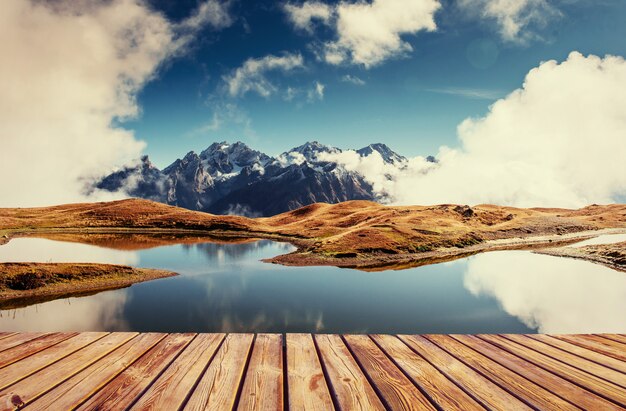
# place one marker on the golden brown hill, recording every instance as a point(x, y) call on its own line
point(352, 234)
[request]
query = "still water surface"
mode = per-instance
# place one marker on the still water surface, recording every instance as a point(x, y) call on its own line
point(224, 287)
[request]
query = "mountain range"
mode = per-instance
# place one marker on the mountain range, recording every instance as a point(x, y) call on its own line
point(235, 179)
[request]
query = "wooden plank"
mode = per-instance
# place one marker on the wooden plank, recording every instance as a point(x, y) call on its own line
point(347, 382)
point(563, 388)
point(171, 389)
point(122, 391)
point(532, 393)
point(18, 352)
point(25, 367)
point(5, 334)
point(488, 393)
point(437, 386)
point(263, 384)
point(305, 379)
point(589, 381)
point(597, 346)
point(591, 367)
point(397, 391)
point(218, 387)
point(13, 340)
point(582, 352)
point(84, 384)
point(615, 337)
point(36, 384)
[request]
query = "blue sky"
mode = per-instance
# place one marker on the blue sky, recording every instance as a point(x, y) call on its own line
point(412, 102)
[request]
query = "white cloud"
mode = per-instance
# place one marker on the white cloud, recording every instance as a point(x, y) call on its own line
point(251, 76)
point(302, 16)
point(316, 93)
point(211, 13)
point(473, 93)
point(516, 19)
point(368, 33)
point(70, 71)
point(349, 78)
point(557, 141)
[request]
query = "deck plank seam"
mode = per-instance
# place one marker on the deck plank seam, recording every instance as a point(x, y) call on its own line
point(485, 375)
point(369, 379)
point(452, 380)
point(53, 362)
point(331, 389)
point(407, 375)
point(66, 336)
point(204, 370)
point(285, 375)
point(582, 345)
point(114, 376)
point(6, 335)
point(587, 372)
point(579, 355)
point(564, 398)
point(74, 372)
point(244, 374)
point(543, 367)
point(606, 337)
point(156, 377)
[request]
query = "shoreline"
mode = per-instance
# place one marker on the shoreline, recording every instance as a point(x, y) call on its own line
point(23, 284)
point(611, 255)
point(411, 260)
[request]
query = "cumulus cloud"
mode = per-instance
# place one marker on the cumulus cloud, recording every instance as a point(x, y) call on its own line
point(252, 75)
point(302, 16)
point(368, 33)
point(71, 71)
point(557, 141)
point(517, 20)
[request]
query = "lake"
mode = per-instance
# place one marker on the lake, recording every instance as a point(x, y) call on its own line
point(226, 288)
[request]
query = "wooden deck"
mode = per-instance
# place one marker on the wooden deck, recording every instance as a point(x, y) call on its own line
point(115, 371)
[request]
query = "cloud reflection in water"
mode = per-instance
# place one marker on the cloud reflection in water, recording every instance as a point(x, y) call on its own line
point(554, 295)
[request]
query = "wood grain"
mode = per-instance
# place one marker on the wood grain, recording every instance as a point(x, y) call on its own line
point(598, 358)
point(170, 390)
point(553, 383)
point(18, 352)
point(218, 387)
point(124, 389)
point(617, 352)
point(532, 393)
point(75, 390)
point(438, 387)
point(349, 385)
point(26, 390)
point(305, 379)
point(483, 389)
point(22, 369)
point(577, 376)
point(584, 364)
point(152, 371)
point(397, 391)
point(14, 339)
point(263, 384)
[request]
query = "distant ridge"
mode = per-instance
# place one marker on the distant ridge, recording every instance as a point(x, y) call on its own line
point(235, 179)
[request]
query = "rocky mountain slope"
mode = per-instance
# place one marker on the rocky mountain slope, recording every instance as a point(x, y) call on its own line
point(235, 179)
